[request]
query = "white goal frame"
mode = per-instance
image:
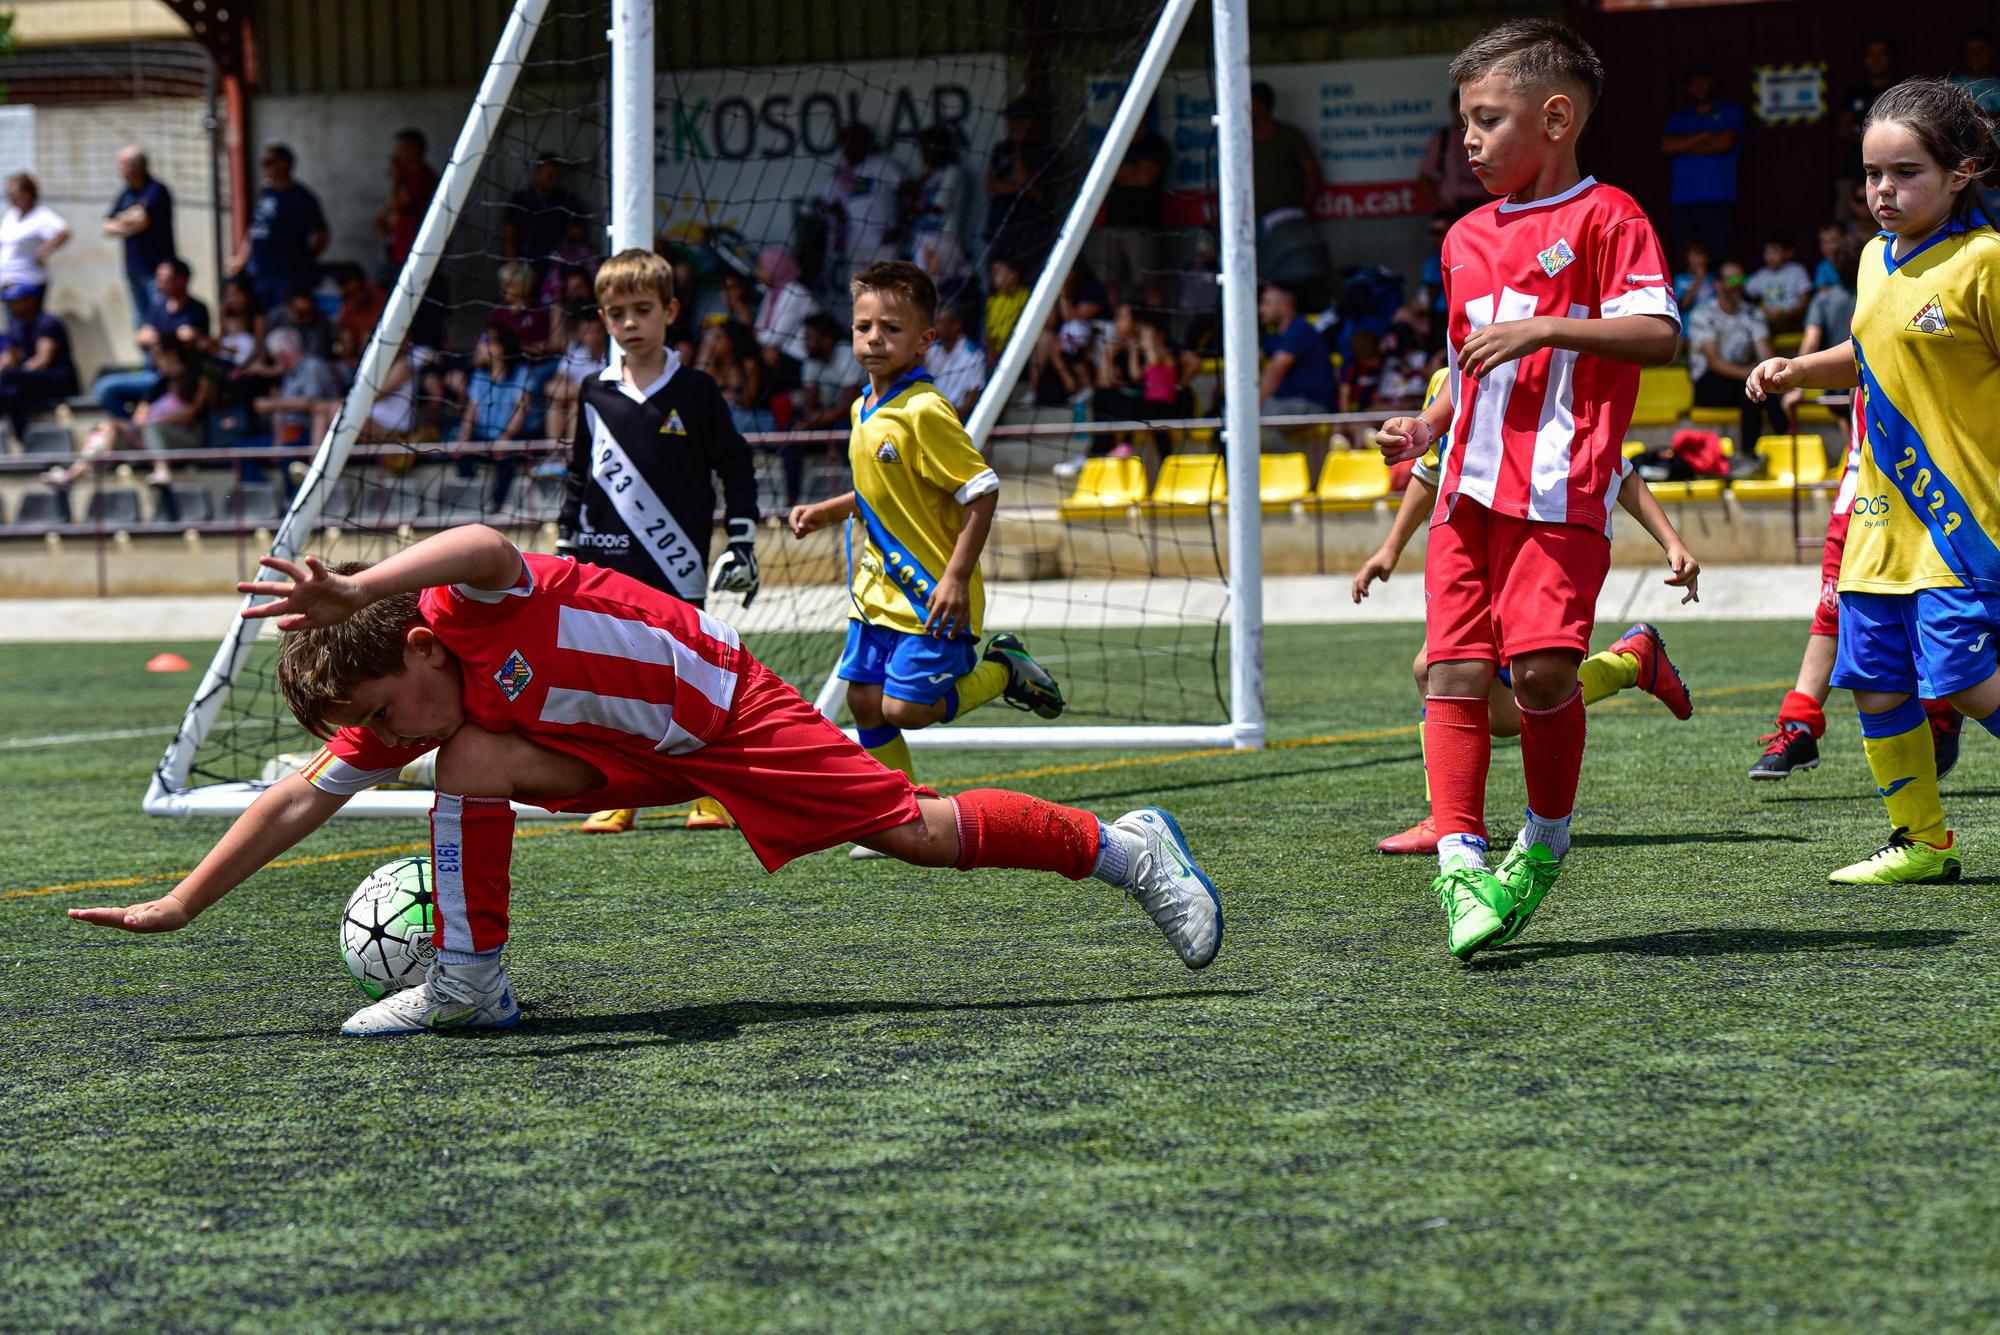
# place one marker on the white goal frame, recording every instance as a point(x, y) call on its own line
point(633, 62)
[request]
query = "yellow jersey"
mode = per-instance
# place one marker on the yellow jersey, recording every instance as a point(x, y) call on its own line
point(914, 471)
point(1927, 346)
point(1425, 470)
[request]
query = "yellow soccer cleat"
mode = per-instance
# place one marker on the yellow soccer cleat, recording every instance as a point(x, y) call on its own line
point(1903, 861)
point(709, 814)
point(617, 820)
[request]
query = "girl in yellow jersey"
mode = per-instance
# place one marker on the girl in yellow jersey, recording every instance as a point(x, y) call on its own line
point(1920, 581)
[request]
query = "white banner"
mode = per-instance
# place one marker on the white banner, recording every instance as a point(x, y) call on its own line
point(740, 148)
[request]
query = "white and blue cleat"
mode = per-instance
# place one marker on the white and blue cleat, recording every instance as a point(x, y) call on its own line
point(1171, 886)
point(444, 1000)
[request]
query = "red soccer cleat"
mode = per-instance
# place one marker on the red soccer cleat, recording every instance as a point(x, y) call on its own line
point(1658, 677)
point(1419, 838)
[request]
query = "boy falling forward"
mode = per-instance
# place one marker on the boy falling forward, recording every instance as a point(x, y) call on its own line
point(639, 499)
point(925, 499)
point(574, 688)
point(1555, 296)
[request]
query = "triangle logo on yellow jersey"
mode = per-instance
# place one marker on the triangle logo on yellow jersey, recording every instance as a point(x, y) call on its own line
point(1929, 320)
point(672, 426)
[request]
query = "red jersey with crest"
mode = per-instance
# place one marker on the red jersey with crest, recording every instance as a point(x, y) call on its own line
point(573, 653)
point(1538, 438)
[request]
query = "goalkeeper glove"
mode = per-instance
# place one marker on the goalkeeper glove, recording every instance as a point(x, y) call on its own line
point(736, 569)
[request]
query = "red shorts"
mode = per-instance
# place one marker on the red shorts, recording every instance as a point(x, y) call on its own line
point(1826, 617)
point(793, 782)
point(1497, 587)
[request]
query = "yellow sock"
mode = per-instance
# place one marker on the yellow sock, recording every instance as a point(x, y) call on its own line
point(1604, 675)
point(886, 744)
point(1905, 771)
point(1424, 748)
point(984, 683)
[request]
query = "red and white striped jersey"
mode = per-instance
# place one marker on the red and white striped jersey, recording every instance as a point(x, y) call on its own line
point(1538, 438)
point(573, 651)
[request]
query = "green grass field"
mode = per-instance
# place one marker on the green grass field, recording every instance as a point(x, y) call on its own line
point(1705, 1089)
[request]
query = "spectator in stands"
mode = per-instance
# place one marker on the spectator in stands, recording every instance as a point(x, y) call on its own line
point(830, 380)
point(1726, 339)
point(781, 316)
point(1447, 181)
point(173, 416)
point(1361, 378)
point(1118, 389)
point(175, 317)
point(412, 182)
point(1782, 287)
point(1006, 298)
point(537, 339)
point(1423, 316)
point(501, 405)
point(240, 333)
point(1878, 63)
point(361, 304)
point(1124, 248)
point(288, 230)
point(1284, 167)
point(1298, 366)
point(588, 355)
point(728, 354)
point(1695, 283)
point(683, 335)
point(1976, 72)
point(737, 296)
point(1704, 139)
point(1056, 376)
point(397, 415)
point(863, 201)
point(308, 392)
point(1830, 314)
point(539, 217)
point(301, 313)
point(936, 210)
point(30, 232)
point(36, 368)
point(956, 362)
point(1827, 273)
point(142, 217)
point(1018, 215)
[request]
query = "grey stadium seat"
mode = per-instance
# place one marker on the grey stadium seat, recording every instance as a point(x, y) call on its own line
point(48, 438)
point(112, 507)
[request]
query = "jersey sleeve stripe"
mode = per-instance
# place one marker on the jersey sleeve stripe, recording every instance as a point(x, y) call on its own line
point(981, 483)
point(1643, 301)
point(330, 774)
point(524, 586)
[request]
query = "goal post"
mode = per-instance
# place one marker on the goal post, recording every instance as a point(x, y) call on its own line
point(1121, 619)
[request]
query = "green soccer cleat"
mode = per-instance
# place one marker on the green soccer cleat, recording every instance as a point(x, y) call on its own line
point(1529, 874)
point(1476, 905)
point(1029, 685)
point(1903, 861)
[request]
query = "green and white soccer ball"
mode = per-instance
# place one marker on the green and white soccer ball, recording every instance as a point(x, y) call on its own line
point(385, 930)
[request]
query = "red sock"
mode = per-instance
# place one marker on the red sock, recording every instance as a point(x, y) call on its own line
point(1458, 746)
point(1552, 756)
point(1937, 709)
point(472, 846)
point(1802, 708)
point(997, 828)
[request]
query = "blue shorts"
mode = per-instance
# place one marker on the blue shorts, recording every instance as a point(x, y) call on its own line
point(1930, 643)
point(917, 668)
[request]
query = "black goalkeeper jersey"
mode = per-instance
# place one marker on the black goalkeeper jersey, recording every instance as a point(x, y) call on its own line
point(640, 497)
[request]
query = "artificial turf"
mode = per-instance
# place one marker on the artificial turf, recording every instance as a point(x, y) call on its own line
point(1704, 1090)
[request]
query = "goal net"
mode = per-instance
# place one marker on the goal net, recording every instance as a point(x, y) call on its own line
point(1022, 155)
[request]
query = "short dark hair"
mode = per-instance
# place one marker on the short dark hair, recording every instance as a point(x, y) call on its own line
point(410, 134)
point(284, 151)
point(1534, 53)
point(904, 279)
point(302, 287)
point(1781, 236)
point(1261, 91)
point(824, 325)
point(179, 266)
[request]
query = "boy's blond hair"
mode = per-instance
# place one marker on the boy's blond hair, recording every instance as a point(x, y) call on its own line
point(903, 279)
point(517, 273)
point(321, 667)
point(635, 271)
point(1536, 54)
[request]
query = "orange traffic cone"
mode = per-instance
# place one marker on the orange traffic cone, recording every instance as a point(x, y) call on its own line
point(166, 663)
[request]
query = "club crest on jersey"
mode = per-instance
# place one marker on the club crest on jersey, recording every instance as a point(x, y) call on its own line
point(1930, 320)
point(673, 426)
point(514, 675)
point(886, 452)
point(1557, 258)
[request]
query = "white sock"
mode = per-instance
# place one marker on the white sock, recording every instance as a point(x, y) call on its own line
point(1461, 850)
point(479, 968)
point(1117, 851)
point(1552, 833)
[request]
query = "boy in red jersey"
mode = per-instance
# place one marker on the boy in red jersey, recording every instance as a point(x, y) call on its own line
point(571, 687)
point(1555, 296)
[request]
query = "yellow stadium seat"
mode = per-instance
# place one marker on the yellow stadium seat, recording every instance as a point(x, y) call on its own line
point(1632, 449)
point(1665, 392)
point(1791, 462)
point(1714, 416)
point(1106, 486)
point(1816, 414)
point(1701, 489)
point(1189, 484)
point(1283, 479)
point(1787, 344)
point(1351, 480)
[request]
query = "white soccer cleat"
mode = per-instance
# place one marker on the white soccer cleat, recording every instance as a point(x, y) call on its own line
point(863, 853)
point(450, 997)
point(1171, 887)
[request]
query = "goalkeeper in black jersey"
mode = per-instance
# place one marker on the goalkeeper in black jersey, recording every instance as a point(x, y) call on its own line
point(650, 438)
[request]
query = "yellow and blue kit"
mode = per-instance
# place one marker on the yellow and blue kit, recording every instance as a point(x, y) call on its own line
point(1920, 578)
point(915, 470)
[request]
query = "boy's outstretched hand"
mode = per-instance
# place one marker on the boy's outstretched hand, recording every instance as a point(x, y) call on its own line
point(309, 595)
point(1687, 573)
point(1774, 375)
point(805, 518)
point(1379, 566)
point(1403, 439)
point(165, 914)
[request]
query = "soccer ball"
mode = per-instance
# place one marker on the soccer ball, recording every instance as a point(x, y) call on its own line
point(385, 930)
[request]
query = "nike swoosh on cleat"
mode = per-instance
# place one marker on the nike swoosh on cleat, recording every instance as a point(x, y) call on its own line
point(456, 1017)
point(1895, 787)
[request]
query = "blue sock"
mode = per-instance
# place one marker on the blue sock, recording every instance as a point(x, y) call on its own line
point(1991, 723)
